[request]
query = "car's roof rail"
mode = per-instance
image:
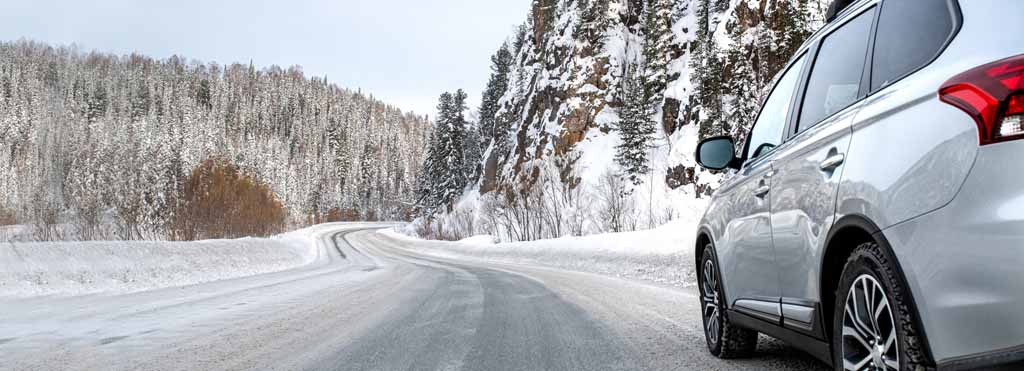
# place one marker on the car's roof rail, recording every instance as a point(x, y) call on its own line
point(837, 8)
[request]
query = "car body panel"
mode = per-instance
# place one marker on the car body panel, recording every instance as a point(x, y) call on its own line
point(951, 211)
point(803, 203)
point(963, 260)
point(766, 310)
point(909, 154)
point(742, 229)
point(966, 260)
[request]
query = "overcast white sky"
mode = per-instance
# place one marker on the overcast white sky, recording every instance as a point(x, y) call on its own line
point(405, 52)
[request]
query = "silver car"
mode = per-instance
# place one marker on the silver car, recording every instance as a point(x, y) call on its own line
point(874, 216)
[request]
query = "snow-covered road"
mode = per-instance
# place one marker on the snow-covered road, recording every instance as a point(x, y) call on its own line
point(370, 301)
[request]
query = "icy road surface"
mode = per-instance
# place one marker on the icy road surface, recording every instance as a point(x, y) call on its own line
point(371, 302)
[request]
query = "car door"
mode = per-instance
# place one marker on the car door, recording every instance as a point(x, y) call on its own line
point(745, 251)
point(809, 168)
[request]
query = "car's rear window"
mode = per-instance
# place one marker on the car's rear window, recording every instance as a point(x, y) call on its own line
point(910, 34)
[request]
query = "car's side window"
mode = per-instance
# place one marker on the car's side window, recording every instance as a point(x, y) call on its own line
point(910, 34)
point(771, 122)
point(835, 78)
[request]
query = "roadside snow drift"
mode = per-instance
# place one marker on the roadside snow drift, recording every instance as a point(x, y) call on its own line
point(78, 268)
point(663, 255)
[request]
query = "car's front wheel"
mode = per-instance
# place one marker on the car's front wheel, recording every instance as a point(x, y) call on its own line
point(725, 340)
point(873, 327)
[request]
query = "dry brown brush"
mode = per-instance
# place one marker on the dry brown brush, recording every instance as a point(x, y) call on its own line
point(219, 201)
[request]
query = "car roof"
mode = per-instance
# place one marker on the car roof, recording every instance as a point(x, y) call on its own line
point(853, 8)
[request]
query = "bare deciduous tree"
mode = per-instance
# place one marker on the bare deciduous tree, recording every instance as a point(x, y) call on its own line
point(616, 208)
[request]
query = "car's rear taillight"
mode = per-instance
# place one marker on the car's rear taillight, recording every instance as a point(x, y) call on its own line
point(993, 95)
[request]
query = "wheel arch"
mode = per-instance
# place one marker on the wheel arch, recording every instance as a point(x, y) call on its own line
point(846, 235)
point(703, 239)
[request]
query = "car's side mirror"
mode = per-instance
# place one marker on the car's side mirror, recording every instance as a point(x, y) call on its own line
point(717, 153)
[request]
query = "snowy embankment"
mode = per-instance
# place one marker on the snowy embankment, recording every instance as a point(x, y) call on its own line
point(663, 255)
point(79, 268)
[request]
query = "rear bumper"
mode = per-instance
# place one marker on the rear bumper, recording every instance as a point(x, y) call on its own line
point(965, 264)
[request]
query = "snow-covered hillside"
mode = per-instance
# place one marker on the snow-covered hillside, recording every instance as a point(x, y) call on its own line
point(90, 140)
point(593, 99)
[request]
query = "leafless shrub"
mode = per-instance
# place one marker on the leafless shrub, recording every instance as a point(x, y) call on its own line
point(566, 203)
point(616, 207)
point(441, 231)
point(553, 201)
point(423, 228)
point(659, 216)
point(515, 214)
point(495, 217)
point(45, 218)
point(85, 196)
point(505, 215)
point(555, 205)
point(221, 202)
point(7, 216)
point(579, 209)
point(88, 221)
point(489, 214)
point(128, 204)
point(449, 227)
point(461, 224)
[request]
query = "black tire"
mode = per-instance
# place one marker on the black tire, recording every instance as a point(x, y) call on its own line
point(869, 266)
point(729, 341)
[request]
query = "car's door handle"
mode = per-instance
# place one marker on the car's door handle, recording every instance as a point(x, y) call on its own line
point(832, 162)
point(762, 191)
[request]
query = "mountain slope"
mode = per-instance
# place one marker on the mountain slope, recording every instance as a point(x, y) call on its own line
point(703, 66)
point(113, 137)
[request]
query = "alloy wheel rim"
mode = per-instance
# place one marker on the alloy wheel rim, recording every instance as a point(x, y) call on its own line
point(711, 302)
point(869, 339)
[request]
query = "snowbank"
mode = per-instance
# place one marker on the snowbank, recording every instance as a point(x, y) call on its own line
point(78, 268)
point(663, 255)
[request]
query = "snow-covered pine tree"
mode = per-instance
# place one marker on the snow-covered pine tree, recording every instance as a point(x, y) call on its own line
point(97, 103)
point(366, 177)
point(444, 169)
point(594, 22)
point(140, 101)
point(636, 126)
point(467, 140)
point(745, 83)
point(472, 153)
point(427, 195)
point(657, 31)
point(706, 65)
point(337, 138)
point(501, 64)
point(451, 144)
point(788, 25)
point(719, 6)
point(757, 56)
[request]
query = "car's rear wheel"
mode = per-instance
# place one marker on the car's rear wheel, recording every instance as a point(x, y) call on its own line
point(873, 327)
point(725, 340)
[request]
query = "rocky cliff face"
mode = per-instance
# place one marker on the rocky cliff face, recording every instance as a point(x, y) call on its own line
point(563, 99)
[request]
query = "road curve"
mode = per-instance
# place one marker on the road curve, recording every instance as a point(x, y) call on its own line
point(372, 302)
